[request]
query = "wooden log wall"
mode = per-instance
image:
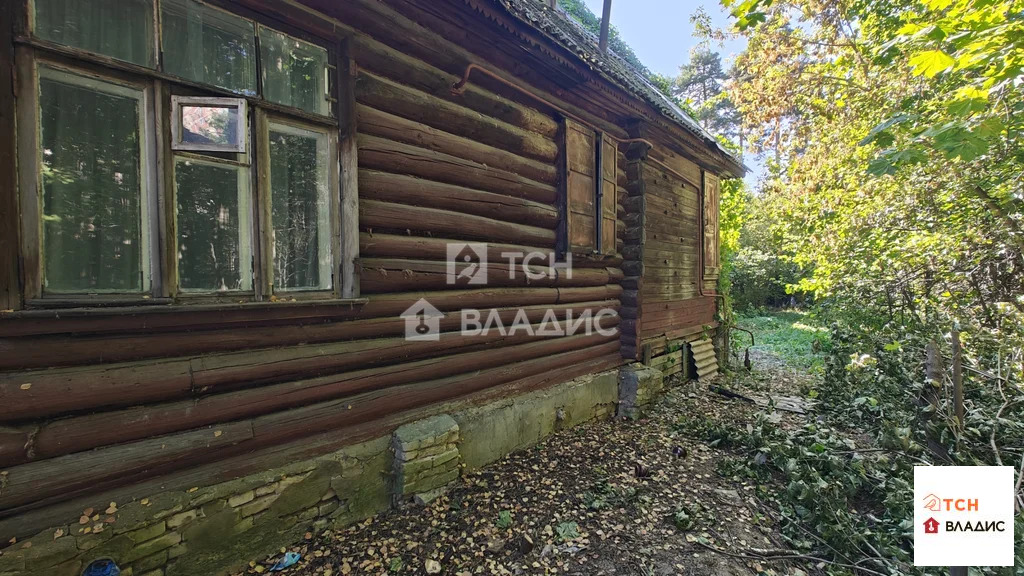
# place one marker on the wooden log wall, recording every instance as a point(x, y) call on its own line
point(94, 400)
point(671, 298)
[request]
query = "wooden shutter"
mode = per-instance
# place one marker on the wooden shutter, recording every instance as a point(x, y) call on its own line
point(712, 193)
point(580, 177)
point(581, 189)
point(609, 181)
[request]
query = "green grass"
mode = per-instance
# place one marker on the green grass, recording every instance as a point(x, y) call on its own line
point(789, 334)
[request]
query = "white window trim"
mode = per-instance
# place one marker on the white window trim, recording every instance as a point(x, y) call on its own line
point(177, 124)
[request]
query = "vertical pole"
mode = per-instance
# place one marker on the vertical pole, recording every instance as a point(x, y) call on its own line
point(958, 378)
point(606, 16)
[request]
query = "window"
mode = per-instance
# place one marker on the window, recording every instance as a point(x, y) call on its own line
point(712, 192)
point(300, 207)
point(121, 29)
point(294, 72)
point(91, 149)
point(210, 124)
point(238, 199)
point(209, 46)
point(591, 185)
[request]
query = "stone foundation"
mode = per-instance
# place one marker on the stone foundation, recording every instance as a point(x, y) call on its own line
point(638, 386)
point(426, 457)
point(210, 530)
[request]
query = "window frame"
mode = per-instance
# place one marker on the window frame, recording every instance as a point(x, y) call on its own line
point(178, 124)
point(29, 67)
point(30, 51)
point(263, 122)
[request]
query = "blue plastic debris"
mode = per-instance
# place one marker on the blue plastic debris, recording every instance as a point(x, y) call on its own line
point(102, 567)
point(289, 560)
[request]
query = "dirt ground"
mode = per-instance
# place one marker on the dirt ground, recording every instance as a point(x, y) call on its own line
point(607, 497)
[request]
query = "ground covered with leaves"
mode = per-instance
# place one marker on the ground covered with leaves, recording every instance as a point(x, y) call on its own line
point(657, 496)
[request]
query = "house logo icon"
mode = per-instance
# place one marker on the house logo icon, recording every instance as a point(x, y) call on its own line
point(467, 263)
point(931, 526)
point(422, 321)
point(932, 502)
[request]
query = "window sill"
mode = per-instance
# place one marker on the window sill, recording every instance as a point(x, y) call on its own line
point(99, 306)
point(164, 314)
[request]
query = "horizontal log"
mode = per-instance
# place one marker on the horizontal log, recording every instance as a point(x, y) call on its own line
point(394, 275)
point(29, 395)
point(81, 433)
point(392, 127)
point(403, 189)
point(393, 64)
point(395, 98)
point(64, 351)
point(391, 216)
point(310, 419)
point(73, 475)
point(254, 457)
point(380, 245)
point(396, 157)
point(13, 445)
point(175, 317)
point(67, 475)
point(41, 393)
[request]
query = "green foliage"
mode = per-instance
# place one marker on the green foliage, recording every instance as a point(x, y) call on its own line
point(794, 336)
point(504, 520)
point(567, 531)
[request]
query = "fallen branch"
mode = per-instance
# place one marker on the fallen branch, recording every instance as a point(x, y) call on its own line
point(730, 394)
point(782, 554)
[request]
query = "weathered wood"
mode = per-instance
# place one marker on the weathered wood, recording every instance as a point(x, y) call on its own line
point(117, 465)
point(393, 64)
point(389, 156)
point(301, 421)
point(10, 285)
point(375, 214)
point(392, 127)
point(64, 351)
point(380, 245)
point(69, 476)
point(77, 434)
point(28, 395)
point(31, 518)
point(407, 102)
point(349, 154)
point(402, 189)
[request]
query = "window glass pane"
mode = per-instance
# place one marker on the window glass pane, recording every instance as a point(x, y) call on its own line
point(300, 208)
point(91, 184)
point(209, 46)
point(121, 29)
point(293, 72)
point(209, 125)
point(213, 214)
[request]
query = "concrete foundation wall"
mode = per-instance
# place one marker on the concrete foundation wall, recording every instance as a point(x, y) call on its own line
point(207, 530)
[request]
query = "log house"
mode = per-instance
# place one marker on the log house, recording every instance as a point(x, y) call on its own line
point(215, 214)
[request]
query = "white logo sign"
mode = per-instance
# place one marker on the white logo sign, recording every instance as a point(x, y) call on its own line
point(467, 263)
point(422, 321)
point(963, 515)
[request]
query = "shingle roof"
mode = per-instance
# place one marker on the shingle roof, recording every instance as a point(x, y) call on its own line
point(571, 35)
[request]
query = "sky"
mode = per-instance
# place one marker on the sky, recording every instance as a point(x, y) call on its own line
point(661, 34)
